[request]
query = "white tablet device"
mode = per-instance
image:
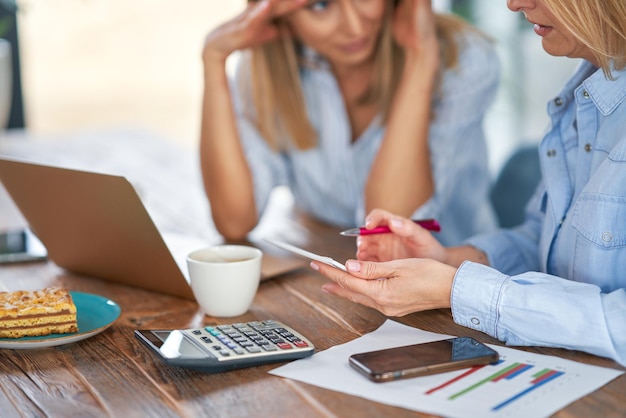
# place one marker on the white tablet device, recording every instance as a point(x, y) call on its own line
point(307, 254)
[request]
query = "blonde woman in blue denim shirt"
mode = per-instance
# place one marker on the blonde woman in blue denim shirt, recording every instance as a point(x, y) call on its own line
point(360, 109)
point(560, 278)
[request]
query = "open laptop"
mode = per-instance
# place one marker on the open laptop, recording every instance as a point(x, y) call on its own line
point(95, 224)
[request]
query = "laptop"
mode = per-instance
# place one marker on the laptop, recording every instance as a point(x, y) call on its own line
point(96, 224)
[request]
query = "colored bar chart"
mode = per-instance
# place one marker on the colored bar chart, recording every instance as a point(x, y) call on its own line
point(521, 384)
point(500, 372)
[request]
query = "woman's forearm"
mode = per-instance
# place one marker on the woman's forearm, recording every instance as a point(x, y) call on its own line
point(225, 172)
point(401, 179)
point(455, 256)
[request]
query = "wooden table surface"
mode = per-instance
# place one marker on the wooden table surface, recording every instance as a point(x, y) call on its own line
point(113, 374)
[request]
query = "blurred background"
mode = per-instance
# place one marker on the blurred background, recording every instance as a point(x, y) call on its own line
point(91, 64)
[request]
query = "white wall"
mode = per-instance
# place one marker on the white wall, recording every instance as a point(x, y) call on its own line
point(530, 79)
point(97, 63)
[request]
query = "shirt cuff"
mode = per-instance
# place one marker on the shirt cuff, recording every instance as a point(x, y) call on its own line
point(475, 299)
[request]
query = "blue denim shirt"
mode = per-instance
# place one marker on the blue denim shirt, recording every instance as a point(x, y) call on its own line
point(560, 278)
point(328, 181)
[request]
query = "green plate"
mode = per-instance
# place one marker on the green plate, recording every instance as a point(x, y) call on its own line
point(94, 314)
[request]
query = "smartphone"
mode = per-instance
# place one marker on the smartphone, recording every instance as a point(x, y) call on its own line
point(422, 359)
point(307, 254)
point(20, 246)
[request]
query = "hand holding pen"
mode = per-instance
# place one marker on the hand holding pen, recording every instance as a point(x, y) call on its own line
point(428, 224)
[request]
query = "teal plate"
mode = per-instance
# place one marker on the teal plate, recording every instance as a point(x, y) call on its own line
point(94, 314)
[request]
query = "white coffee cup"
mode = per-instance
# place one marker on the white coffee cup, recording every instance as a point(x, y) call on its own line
point(225, 278)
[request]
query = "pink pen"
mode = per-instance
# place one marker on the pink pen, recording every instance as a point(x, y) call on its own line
point(429, 224)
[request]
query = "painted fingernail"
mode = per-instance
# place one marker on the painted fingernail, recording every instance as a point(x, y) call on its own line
point(353, 266)
point(396, 223)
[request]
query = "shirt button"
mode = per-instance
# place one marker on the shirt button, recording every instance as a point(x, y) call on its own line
point(558, 101)
point(551, 152)
point(585, 94)
point(588, 147)
point(475, 321)
point(607, 237)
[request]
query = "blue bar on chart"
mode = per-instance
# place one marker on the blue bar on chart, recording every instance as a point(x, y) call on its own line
point(510, 372)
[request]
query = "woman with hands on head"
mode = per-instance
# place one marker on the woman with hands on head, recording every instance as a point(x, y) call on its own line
point(352, 104)
point(559, 279)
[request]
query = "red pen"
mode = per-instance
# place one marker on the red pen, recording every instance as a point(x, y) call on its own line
point(429, 224)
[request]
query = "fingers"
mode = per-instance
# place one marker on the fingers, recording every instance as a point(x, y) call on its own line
point(284, 7)
point(348, 286)
point(377, 217)
point(365, 269)
point(414, 28)
point(408, 285)
point(253, 27)
point(399, 225)
point(424, 17)
point(277, 8)
point(260, 15)
point(355, 269)
point(260, 21)
point(335, 289)
point(384, 247)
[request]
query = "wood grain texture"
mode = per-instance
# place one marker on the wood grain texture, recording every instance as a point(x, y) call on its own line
point(112, 374)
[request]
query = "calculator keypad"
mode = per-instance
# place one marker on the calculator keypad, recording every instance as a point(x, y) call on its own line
point(250, 339)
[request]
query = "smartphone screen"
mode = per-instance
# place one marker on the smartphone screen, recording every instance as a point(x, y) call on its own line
point(19, 246)
point(422, 359)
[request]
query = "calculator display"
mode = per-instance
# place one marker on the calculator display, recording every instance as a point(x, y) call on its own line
point(174, 344)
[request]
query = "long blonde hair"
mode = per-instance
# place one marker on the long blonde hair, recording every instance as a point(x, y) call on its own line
point(278, 102)
point(599, 24)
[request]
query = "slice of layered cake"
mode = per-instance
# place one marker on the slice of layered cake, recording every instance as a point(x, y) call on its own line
point(26, 313)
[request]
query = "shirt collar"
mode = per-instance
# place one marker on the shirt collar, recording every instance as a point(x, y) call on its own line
point(607, 94)
point(312, 60)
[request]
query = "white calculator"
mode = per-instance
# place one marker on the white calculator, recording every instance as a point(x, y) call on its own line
point(221, 348)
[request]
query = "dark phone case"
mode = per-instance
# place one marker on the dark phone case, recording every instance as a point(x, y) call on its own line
point(422, 359)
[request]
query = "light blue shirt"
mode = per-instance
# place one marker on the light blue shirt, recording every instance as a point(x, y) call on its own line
point(560, 278)
point(328, 181)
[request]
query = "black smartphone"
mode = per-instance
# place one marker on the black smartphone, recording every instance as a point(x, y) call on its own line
point(20, 246)
point(422, 359)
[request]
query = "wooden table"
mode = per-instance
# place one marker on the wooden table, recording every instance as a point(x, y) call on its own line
point(113, 374)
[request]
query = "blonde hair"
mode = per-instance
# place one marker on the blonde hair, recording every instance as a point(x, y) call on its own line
point(599, 24)
point(279, 105)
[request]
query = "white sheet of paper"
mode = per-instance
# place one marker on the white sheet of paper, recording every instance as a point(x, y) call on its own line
point(557, 382)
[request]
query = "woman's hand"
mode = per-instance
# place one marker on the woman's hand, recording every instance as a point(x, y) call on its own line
point(406, 240)
point(400, 177)
point(253, 27)
point(395, 288)
point(414, 29)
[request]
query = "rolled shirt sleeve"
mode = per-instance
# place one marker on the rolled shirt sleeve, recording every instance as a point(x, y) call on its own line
point(540, 309)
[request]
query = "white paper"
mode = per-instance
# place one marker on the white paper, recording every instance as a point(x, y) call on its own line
point(477, 394)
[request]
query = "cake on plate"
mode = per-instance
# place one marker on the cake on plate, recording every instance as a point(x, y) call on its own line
point(30, 313)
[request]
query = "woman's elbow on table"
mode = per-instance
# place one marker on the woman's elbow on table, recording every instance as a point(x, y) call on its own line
point(233, 227)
